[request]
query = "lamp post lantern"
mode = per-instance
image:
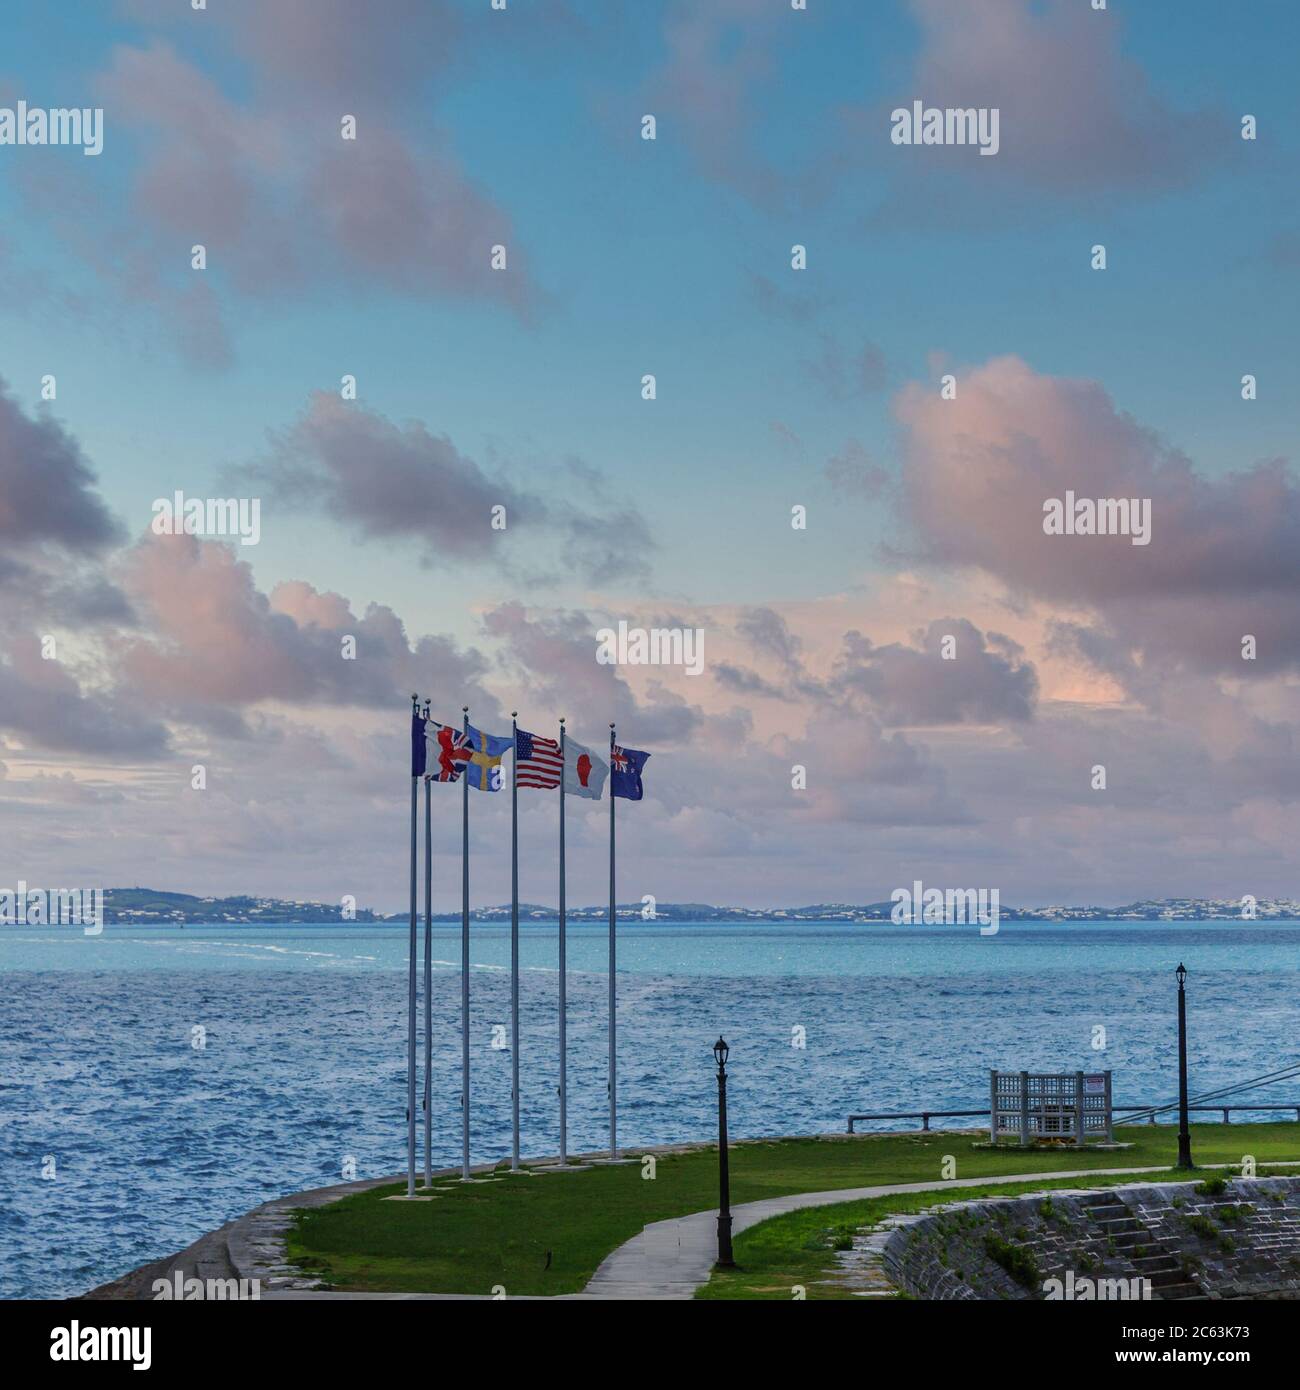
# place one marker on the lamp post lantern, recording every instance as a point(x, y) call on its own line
point(1184, 1137)
point(720, 1053)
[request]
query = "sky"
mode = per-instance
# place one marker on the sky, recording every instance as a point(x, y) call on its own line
point(917, 682)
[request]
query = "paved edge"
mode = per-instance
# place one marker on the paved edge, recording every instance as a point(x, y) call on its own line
point(252, 1246)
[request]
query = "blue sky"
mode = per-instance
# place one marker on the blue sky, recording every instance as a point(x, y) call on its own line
point(649, 267)
point(663, 257)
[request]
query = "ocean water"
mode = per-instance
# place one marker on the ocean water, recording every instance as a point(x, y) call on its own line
point(153, 1140)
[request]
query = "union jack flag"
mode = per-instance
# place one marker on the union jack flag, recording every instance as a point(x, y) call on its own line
point(448, 750)
point(537, 760)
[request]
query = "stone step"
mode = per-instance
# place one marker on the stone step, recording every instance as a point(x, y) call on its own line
point(1126, 1240)
point(1169, 1292)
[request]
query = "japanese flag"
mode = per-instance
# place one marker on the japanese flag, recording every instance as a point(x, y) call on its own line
point(584, 771)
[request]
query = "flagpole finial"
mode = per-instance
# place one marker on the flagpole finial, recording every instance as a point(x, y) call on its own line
point(514, 714)
point(464, 709)
point(561, 719)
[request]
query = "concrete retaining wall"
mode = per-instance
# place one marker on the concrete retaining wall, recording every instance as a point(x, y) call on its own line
point(1162, 1240)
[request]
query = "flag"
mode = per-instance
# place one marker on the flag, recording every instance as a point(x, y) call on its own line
point(419, 753)
point(625, 780)
point(484, 767)
point(584, 771)
point(537, 760)
point(446, 752)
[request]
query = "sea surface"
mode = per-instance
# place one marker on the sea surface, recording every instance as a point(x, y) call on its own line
point(157, 1081)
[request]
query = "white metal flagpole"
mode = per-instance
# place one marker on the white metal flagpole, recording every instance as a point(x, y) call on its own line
point(428, 978)
point(464, 965)
point(514, 939)
point(410, 1031)
point(613, 1046)
point(564, 981)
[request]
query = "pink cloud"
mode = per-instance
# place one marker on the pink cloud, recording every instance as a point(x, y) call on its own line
point(211, 638)
point(1076, 113)
point(1221, 561)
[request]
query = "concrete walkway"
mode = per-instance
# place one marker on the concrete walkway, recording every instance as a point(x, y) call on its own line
point(671, 1259)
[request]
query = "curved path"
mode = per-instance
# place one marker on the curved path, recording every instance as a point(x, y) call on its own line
point(671, 1259)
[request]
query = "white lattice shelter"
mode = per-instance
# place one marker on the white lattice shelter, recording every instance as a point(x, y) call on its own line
point(1036, 1106)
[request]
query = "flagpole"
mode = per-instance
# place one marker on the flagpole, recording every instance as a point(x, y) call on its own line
point(428, 978)
point(464, 965)
point(613, 1049)
point(410, 1010)
point(564, 981)
point(514, 939)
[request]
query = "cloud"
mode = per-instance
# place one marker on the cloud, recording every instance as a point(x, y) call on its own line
point(853, 473)
point(215, 641)
point(1221, 562)
point(554, 653)
point(283, 205)
point(1077, 114)
point(793, 306)
point(43, 704)
point(46, 487)
point(768, 632)
point(847, 374)
point(743, 681)
point(986, 680)
point(323, 49)
point(710, 92)
point(386, 481)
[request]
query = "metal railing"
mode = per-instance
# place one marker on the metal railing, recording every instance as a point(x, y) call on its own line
point(925, 1116)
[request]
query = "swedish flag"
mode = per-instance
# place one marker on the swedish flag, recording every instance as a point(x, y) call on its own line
point(484, 767)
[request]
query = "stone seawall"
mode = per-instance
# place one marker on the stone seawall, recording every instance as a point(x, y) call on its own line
point(1153, 1240)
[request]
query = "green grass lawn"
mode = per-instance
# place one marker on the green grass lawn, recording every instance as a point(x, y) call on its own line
point(475, 1236)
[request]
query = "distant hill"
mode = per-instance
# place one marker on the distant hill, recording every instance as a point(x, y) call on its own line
point(144, 905)
point(155, 905)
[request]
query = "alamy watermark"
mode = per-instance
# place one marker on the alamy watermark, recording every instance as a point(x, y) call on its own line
point(179, 515)
point(58, 125)
point(919, 905)
point(656, 646)
point(1100, 516)
point(1087, 1290)
point(946, 125)
point(52, 907)
point(76, 1343)
point(192, 1290)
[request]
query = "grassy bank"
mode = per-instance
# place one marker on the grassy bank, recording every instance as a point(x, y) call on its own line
point(475, 1236)
point(800, 1249)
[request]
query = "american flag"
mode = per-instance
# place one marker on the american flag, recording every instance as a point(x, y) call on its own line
point(537, 760)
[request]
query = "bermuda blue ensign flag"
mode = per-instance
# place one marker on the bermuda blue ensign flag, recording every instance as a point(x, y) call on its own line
point(625, 774)
point(418, 756)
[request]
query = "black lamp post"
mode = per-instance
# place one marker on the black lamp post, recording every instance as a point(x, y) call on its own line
point(720, 1052)
point(1184, 1137)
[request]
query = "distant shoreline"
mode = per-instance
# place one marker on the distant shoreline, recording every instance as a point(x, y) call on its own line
point(636, 920)
point(157, 907)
